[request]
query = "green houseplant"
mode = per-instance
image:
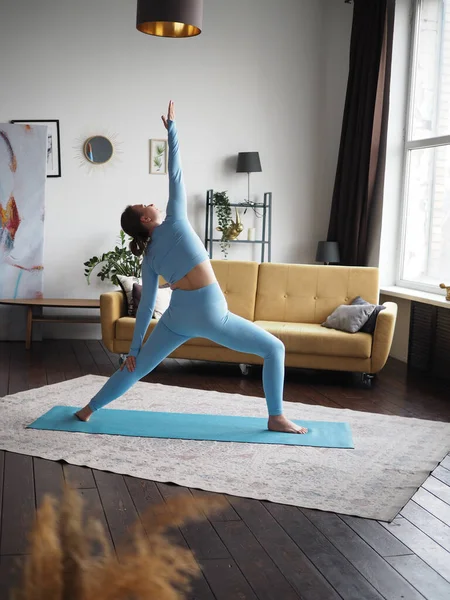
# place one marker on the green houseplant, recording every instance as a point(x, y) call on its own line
point(120, 261)
point(221, 203)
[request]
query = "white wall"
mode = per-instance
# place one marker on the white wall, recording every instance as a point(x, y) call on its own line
point(263, 75)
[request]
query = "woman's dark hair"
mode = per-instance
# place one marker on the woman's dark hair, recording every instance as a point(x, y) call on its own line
point(132, 225)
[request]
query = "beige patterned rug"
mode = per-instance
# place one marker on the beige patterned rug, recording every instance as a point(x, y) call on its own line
point(392, 456)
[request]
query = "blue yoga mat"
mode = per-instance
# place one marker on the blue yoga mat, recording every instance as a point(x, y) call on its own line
point(140, 423)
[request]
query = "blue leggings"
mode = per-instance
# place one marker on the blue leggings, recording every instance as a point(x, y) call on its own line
point(202, 313)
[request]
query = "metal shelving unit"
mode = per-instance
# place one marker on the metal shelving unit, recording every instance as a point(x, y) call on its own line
point(266, 234)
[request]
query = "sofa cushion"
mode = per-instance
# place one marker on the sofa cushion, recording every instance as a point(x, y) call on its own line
point(162, 301)
point(312, 338)
point(125, 330)
point(200, 342)
point(126, 283)
point(370, 324)
point(137, 295)
point(349, 318)
point(238, 280)
point(309, 293)
point(303, 338)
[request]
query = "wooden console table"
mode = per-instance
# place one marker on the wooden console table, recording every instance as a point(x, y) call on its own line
point(35, 311)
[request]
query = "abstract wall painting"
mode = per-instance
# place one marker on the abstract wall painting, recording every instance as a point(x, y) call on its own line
point(23, 164)
point(53, 145)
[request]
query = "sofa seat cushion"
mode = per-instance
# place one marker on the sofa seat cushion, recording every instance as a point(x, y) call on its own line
point(298, 338)
point(125, 330)
point(312, 338)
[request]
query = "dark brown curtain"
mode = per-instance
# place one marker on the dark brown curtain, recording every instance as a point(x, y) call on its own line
point(361, 163)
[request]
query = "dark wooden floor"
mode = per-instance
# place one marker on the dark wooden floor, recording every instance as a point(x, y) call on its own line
point(253, 550)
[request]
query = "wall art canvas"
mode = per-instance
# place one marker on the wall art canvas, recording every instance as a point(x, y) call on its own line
point(53, 145)
point(23, 163)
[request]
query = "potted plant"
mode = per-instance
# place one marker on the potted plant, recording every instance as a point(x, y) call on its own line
point(230, 229)
point(120, 261)
point(221, 203)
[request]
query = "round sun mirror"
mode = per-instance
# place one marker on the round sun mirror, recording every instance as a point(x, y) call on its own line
point(98, 149)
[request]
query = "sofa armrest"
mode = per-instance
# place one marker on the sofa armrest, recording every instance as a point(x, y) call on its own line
point(112, 307)
point(383, 336)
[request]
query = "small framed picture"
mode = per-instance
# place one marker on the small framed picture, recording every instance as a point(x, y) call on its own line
point(158, 157)
point(53, 144)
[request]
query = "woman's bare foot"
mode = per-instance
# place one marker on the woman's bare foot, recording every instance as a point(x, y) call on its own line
point(84, 414)
point(280, 423)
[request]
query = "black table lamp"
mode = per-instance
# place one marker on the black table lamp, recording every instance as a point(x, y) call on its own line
point(170, 18)
point(248, 162)
point(327, 252)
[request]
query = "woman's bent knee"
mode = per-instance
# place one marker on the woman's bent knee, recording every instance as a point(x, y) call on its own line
point(276, 348)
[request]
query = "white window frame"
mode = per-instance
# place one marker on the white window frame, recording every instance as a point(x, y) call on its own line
point(433, 142)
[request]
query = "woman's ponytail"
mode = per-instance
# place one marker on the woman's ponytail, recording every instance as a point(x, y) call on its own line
point(138, 245)
point(132, 225)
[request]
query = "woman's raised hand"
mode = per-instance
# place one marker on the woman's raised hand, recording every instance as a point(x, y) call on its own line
point(170, 115)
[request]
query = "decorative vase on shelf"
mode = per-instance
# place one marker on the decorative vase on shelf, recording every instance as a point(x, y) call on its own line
point(234, 230)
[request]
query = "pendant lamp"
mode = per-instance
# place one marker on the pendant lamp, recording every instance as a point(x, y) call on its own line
point(170, 18)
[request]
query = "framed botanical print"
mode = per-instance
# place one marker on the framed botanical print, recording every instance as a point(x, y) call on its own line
point(158, 157)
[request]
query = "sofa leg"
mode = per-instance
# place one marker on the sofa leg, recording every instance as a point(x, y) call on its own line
point(245, 369)
point(366, 379)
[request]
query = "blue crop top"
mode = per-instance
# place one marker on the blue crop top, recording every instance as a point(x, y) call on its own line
point(175, 248)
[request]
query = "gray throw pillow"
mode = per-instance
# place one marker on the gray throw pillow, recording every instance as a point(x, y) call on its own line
point(369, 325)
point(349, 318)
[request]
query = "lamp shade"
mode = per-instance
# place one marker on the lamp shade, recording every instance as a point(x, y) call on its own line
point(248, 162)
point(327, 252)
point(170, 18)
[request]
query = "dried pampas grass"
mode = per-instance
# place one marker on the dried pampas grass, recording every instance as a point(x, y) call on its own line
point(69, 560)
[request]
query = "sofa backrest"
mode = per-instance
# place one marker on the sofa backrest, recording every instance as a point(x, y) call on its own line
point(238, 281)
point(309, 293)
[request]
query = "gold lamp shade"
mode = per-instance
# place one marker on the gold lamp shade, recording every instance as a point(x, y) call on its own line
point(170, 18)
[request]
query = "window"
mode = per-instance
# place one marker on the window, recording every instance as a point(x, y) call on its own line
point(425, 253)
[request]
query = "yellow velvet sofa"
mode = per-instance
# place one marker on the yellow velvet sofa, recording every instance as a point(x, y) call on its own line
point(290, 301)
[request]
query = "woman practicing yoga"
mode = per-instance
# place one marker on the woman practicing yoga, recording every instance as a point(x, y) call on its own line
point(197, 308)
